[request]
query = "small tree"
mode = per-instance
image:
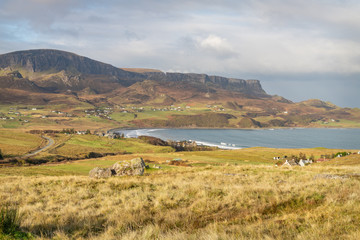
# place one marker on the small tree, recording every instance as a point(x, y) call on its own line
point(302, 156)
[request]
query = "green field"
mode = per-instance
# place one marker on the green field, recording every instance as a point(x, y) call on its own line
point(79, 145)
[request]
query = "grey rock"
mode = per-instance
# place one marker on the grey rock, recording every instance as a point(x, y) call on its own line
point(100, 173)
point(134, 166)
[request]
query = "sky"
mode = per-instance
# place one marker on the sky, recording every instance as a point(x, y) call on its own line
point(297, 49)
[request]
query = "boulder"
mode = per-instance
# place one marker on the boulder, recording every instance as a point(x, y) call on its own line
point(100, 173)
point(134, 166)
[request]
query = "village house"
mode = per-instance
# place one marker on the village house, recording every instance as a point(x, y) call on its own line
point(302, 163)
point(290, 163)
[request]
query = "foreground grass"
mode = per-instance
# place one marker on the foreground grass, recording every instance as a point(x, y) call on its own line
point(212, 202)
point(236, 194)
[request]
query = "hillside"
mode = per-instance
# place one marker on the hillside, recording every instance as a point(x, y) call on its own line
point(59, 71)
point(67, 82)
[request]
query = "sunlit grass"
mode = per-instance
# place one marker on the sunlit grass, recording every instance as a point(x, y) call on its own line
point(211, 202)
point(17, 143)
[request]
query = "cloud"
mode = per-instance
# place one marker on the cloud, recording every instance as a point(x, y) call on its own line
point(215, 44)
point(242, 39)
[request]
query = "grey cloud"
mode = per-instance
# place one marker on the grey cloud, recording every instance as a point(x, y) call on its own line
point(241, 39)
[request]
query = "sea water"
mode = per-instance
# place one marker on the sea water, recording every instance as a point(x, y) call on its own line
point(341, 138)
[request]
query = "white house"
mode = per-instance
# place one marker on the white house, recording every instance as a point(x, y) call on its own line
point(301, 163)
point(290, 163)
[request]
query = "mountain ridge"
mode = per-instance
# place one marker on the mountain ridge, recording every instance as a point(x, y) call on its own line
point(79, 72)
point(91, 92)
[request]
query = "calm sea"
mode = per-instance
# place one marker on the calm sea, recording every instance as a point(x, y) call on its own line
point(274, 138)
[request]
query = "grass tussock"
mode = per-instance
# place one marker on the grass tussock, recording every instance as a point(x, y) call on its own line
point(212, 202)
point(10, 224)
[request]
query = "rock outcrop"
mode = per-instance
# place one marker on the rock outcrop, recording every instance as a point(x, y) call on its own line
point(100, 173)
point(40, 60)
point(73, 66)
point(249, 87)
point(134, 166)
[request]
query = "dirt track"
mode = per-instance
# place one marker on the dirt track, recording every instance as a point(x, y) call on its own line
point(48, 145)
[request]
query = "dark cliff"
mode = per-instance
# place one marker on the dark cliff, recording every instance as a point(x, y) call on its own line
point(78, 72)
point(42, 60)
point(250, 87)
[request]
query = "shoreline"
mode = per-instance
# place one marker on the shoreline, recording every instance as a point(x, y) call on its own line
point(200, 128)
point(245, 138)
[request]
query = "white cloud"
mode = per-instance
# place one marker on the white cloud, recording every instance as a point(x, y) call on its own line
point(215, 43)
point(226, 37)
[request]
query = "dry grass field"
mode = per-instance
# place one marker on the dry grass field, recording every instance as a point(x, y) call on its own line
point(17, 142)
point(223, 194)
point(224, 199)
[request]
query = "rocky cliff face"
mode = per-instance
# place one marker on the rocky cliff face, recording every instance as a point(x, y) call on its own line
point(249, 87)
point(73, 72)
point(55, 61)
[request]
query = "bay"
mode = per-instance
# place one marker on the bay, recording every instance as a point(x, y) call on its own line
point(339, 138)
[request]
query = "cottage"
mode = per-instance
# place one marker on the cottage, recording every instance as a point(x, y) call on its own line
point(303, 163)
point(290, 163)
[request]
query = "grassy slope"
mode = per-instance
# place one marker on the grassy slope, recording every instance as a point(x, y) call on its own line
point(159, 155)
point(17, 143)
point(82, 144)
point(225, 194)
point(236, 194)
point(150, 118)
point(213, 202)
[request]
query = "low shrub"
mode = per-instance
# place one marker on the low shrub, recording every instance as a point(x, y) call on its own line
point(35, 161)
point(9, 220)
